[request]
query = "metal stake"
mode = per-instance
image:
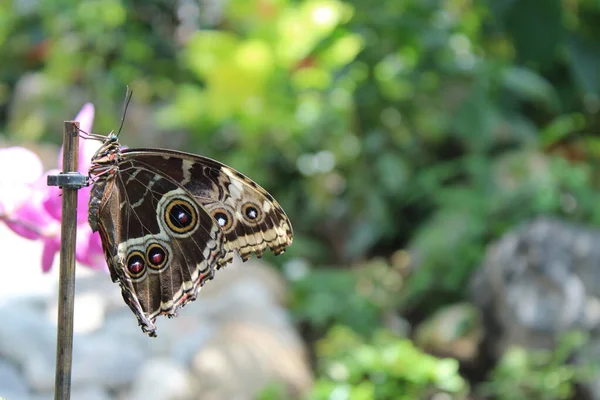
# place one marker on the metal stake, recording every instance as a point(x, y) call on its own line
point(70, 181)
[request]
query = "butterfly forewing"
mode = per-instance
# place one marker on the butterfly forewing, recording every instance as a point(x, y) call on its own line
point(249, 216)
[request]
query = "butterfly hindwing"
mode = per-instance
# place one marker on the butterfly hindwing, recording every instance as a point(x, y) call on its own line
point(161, 245)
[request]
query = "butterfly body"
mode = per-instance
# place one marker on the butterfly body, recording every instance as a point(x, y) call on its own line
point(168, 220)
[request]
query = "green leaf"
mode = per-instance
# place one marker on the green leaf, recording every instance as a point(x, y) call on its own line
point(561, 127)
point(476, 119)
point(536, 28)
point(584, 61)
point(531, 86)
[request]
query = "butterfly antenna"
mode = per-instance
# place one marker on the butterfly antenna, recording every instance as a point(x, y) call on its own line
point(128, 95)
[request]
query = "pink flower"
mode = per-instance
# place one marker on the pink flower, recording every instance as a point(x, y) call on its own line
point(33, 210)
point(20, 169)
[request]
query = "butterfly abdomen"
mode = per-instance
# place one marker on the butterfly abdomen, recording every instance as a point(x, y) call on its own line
point(105, 163)
point(95, 201)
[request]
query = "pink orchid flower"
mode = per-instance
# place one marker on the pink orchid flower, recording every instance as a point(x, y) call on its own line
point(34, 209)
point(21, 169)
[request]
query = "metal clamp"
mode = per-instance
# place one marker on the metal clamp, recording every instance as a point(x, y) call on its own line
point(71, 180)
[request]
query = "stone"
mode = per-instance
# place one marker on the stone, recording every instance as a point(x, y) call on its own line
point(453, 331)
point(12, 382)
point(244, 339)
point(536, 283)
point(105, 360)
point(29, 332)
point(41, 396)
point(91, 392)
point(250, 271)
point(29, 340)
point(88, 315)
point(99, 359)
point(100, 284)
point(232, 341)
point(183, 350)
point(123, 324)
point(243, 357)
point(39, 371)
point(163, 379)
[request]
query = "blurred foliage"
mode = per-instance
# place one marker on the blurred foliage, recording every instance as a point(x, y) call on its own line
point(427, 125)
point(357, 298)
point(328, 296)
point(539, 374)
point(387, 367)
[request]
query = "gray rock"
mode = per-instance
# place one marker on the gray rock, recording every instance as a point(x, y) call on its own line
point(39, 371)
point(29, 340)
point(124, 326)
point(237, 337)
point(243, 357)
point(12, 382)
point(247, 300)
point(41, 396)
point(163, 379)
point(184, 349)
point(451, 331)
point(99, 283)
point(97, 360)
point(248, 294)
point(122, 322)
point(27, 334)
point(90, 393)
point(88, 314)
point(538, 282)
point(105, 360)
point(243, 338)
point(251, 271)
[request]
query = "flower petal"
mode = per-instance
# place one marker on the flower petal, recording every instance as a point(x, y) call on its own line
point(32, 221)
point(19, 169)
point(18, 164)
point(51, 247)
point(89, 248)
point(13, 197)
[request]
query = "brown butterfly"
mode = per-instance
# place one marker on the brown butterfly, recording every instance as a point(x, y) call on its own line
point(169, 219)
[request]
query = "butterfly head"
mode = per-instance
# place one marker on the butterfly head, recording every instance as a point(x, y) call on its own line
point(107, 156)
point(112, 137)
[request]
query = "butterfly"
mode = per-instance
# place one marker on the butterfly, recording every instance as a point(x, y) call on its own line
point(168, 220)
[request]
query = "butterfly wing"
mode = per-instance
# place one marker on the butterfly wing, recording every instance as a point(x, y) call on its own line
point(160, 244)
point(250, 218)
